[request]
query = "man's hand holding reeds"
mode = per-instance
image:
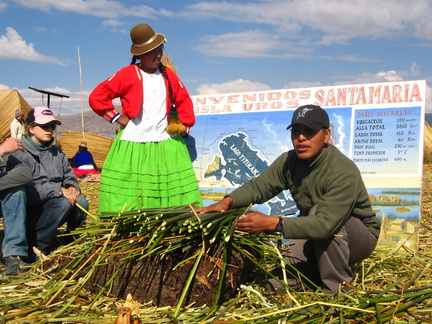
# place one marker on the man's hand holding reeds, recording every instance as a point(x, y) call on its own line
point(256, 223)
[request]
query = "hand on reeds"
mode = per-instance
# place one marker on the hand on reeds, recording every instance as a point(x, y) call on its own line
point(221, 206)
point(256, 223)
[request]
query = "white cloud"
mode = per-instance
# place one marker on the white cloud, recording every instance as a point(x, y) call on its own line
point(277, 13)
point(330, 21)
point(46, 30)
point(348, 58)
point(13, 46)
point(342, 20)
point(295, 25)
point(428, 106)
point(112, 23)
point(99, 8)
point(381, 76)
point(239, 44)
point(294, 85)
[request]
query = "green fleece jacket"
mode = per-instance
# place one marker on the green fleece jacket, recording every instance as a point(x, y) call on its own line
point(332, 181)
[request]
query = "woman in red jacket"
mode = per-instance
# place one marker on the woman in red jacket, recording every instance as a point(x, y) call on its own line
point(146, 166)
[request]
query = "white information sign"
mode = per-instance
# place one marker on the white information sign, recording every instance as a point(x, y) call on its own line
point(379, 126)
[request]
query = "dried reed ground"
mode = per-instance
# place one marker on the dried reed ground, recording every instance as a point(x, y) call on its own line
point(393, 270)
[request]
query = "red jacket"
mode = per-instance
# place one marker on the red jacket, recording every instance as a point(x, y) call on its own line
point(127, 84)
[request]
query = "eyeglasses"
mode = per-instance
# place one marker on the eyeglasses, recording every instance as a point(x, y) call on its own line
point(308, 132)
point(48, 126)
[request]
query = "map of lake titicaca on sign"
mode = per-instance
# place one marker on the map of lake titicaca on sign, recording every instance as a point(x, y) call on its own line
point(379, 126)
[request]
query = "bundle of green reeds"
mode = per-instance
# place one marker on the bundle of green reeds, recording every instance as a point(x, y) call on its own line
point(139, 251)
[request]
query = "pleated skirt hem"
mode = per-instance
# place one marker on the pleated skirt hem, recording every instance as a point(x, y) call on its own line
point(147, 175)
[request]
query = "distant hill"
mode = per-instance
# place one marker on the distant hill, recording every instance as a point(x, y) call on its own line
point(93, 124)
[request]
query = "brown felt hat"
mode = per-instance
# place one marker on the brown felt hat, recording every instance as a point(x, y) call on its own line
point(144, 39)
point(83, 144)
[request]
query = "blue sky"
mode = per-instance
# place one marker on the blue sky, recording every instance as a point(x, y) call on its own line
point(216, 46)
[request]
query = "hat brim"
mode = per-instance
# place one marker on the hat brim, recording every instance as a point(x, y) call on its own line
point(48, 119)
point(160, 39)
point(311, 124)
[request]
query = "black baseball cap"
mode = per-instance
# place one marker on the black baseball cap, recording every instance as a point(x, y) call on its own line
point(311, 116)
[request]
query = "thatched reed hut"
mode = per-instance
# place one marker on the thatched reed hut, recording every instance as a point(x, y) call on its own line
point(10, 101)
point(97, 145)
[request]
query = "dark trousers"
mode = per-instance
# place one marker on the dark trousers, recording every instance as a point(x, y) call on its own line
point(44, 219)
point(326, 263)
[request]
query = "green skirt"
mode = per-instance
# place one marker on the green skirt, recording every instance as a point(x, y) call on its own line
point(147, 175)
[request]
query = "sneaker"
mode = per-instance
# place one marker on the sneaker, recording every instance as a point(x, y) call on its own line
point(13, 265)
